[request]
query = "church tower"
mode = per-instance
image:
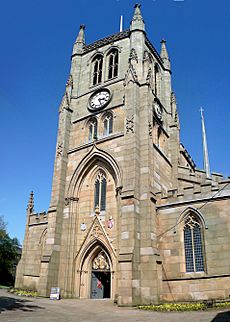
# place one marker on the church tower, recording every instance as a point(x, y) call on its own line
point(117, 152)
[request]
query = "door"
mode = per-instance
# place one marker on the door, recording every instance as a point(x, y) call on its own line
point(100, 277)
point(97, 287)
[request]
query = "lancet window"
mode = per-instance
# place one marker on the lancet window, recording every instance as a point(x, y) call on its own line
point(193, 244)
point(92, 129)
point(97, 69)
point(113, 63)
point(108, 124)
point(156, 79)
point(100, 191)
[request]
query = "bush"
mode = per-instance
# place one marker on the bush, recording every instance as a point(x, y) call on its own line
point(21, 292)
point(175, 307)
point(223, 305)
point(181, 307)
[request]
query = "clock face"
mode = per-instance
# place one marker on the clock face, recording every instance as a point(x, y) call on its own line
point(99, 99)
point(158, 111)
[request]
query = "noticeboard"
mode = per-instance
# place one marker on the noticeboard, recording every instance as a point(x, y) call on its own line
point(55, 293)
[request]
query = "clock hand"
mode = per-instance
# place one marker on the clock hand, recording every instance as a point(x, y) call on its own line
point(101, 100)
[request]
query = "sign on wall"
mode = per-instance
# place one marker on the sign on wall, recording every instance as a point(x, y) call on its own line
point(55, 293)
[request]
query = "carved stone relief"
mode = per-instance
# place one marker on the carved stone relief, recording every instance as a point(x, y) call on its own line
point(69, 199)
point(65, 103)
point(59, 150)
point(133, 56)
point(130, 125)
point(150, 129)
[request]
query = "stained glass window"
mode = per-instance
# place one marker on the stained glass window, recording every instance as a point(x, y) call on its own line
point(193, 245)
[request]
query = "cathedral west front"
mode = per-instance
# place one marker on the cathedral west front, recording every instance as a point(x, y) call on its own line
point(131, 218)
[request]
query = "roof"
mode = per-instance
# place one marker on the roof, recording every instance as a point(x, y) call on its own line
point(106, 40)
point(118, 36)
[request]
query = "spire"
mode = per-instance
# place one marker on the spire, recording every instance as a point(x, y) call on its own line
point(121, 23)
point(80, 41)
point(164, 55)
point(137, 22)
point(205, 147)
point(30, 206)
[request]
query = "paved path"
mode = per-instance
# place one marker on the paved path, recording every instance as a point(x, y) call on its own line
point(15, 308)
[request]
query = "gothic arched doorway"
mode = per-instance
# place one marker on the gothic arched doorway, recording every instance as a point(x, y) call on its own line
point(100, 277)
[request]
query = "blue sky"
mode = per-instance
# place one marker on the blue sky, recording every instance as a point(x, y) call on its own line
point(36, 44)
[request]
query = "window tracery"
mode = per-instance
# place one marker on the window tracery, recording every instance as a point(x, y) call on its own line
point(113, 64)
point(193, 244)
point(97, 69)
point(108, 124)
point(100, 262)
point(92, 129)
point(100, 192)
point(156, 79)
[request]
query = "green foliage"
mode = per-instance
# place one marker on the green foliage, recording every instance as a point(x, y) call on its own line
point(181, 307)
point(22, 292)
point(223, 305)
point(175, 307)
point(2, 224)
point(8, 255)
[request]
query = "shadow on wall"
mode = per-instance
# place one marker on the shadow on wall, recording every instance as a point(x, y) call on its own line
point(222, 317)
point(13, 304)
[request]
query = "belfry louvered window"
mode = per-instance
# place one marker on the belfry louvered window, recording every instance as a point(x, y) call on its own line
point(193, 244)
point(113, 64)
point(108, 124)
point(92, 129)
point(100, 192)
point(156, 79)
point(97, 69)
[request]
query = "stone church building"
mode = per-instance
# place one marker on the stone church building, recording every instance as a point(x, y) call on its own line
point(131, 218)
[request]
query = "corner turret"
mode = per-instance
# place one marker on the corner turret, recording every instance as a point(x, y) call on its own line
point(80, 41)
point(30, 206)
point(164, 55)
point(137, 22)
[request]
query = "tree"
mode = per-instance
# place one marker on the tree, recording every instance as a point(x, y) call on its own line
point(2, 224)
point(9, 253)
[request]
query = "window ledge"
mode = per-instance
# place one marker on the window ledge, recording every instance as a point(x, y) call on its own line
point(99, 140)
point(110, 79)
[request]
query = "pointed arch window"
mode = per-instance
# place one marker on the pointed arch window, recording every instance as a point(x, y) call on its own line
point(158, 136)
point(113, 63)
point(193, 244)
point(92, 129)
point(97, 69)
point(100, 192)
point(156, 79)
point(108, 124)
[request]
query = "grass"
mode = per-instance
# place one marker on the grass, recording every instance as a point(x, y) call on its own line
point(3, 286)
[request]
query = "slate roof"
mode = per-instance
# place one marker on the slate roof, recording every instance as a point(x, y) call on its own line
point(106, 40)
point(118, 36)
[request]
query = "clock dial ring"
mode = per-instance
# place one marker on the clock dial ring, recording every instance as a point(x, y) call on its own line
point(99, 99)
point(158, 111)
